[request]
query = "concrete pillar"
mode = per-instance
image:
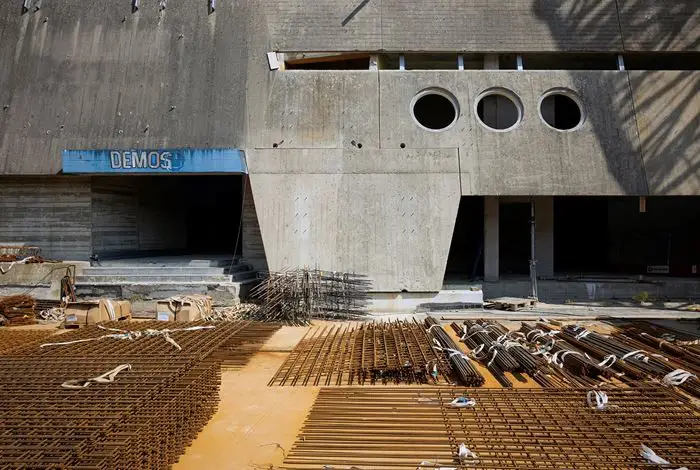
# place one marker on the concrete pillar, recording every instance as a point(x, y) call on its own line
point(544, 235)
point(491, 259)
point(491, 102)
point(491, 62)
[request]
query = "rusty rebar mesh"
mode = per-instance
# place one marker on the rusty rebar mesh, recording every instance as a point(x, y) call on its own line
point(144, 419)
point(400, 427)
point(12, 339)
point(17, 310)
point(367, 353)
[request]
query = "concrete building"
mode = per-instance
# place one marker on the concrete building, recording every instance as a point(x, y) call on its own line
point(405, 140)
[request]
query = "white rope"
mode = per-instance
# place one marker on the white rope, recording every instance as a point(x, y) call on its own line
point(432, 465)
point(493, 358)
point(559, 360)
point(463, 402)
point(677, 377)
point(110, 310)
point(107, 377)
point(608, 361)
point(597, 399)
point(452, 352)
point(12, 264)
point(131, 335)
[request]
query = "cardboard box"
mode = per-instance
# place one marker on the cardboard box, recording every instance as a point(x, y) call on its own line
point(82, 313)
point(180, 311)
point(88, 313)
point(112, 310)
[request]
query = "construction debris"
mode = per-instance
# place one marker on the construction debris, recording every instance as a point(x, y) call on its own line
point(297, 296)
point(17, 310)
point(369, 353)
point(417, 427)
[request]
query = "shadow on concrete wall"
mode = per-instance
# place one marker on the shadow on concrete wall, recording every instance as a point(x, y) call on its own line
point(664, 113)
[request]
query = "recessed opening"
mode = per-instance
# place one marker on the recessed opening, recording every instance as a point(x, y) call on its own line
point(435, 110)
point(499, 110)
point(561, 111)
point(327, 62)
point(403, 146)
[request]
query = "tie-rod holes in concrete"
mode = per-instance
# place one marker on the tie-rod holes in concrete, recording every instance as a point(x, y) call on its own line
point(562, 110)
point(435, 109)
point(403, 146)
point(499, 109)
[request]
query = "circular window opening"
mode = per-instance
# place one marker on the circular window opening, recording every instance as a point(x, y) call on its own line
point(435, 109)
point(561, 111)
point(499, 110)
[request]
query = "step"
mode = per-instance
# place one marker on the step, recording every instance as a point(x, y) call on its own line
point(150, 270)
point(151, 278)
point(222, 293)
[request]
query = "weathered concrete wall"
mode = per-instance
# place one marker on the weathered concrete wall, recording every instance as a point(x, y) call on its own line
point(253, 248)
point(601, 157)
point(51, 213)
point(651, 25)
point(370, 215)
point(667, 106)
point(437, 25)
point(94, 75)
point(115, 221)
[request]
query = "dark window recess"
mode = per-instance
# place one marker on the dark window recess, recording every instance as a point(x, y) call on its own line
point(360, 63)
point(561, 112)
point(436, 112)
point(569, 61)
point(497, 111)
point(662, 61)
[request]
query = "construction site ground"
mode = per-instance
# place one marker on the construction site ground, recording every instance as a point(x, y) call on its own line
point(256, 424)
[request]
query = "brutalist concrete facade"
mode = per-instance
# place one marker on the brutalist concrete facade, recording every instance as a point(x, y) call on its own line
point(341, 175)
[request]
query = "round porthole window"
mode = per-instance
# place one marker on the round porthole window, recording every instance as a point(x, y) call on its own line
point(499, 109)
point(562, 110)
point(435, 109)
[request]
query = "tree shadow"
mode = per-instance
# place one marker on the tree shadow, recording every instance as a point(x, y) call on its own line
point(664, 112)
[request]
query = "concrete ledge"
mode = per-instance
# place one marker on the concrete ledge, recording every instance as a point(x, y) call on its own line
point(35, 273)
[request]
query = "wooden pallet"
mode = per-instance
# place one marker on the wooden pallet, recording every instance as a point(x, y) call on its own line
point(510, 303)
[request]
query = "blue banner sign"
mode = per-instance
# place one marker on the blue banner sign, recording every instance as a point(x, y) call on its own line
point(184, 160)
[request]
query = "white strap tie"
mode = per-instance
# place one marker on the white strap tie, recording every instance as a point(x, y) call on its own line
point(677, 377)
point(464, 452)
point(582, 334)
point(463, 402)
point(608, 361)
point(495, 353)
point(452, 352)
point(597, 399)
point(107, 377)
point(651, 457)
point(432, 466)
point(638, 354)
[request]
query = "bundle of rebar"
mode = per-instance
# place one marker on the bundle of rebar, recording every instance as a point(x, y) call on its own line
point(17, 310)
point(461, 364)
point(296, 296)
point(487, 353)
point(563, 353)
point(500, 334)
point(628, 357)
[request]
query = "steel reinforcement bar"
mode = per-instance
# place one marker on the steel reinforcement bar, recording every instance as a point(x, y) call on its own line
point(416, 427)
point(393, 352)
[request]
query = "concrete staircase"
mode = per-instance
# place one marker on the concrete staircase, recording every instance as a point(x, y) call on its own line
point(156, 279)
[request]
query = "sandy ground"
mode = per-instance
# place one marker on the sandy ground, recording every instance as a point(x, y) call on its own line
point(253, 420)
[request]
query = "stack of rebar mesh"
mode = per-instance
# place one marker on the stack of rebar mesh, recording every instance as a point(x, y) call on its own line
point(12, 338)
point(17, 310)
point(143, 417)
point(367, 353)
point(299, 295)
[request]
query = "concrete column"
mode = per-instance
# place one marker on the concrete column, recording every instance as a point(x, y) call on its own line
point(491, 62)
point(544, 235)
point(491, 259)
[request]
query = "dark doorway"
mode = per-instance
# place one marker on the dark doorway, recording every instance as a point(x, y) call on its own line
point(466, 261)
point(514, 238)
point(581, 235)
point(212, 206)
